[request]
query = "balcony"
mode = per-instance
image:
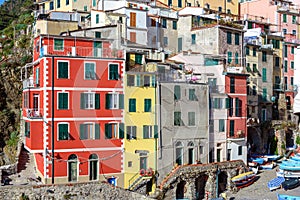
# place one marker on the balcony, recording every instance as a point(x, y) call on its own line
point(217, 89)
point(77, 51)
point(28, 83)
point(33, 113)
point(240, 135)
point(267, 46)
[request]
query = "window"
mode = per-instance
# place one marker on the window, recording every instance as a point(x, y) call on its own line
point(240, 150)
point(89, 101)
point(177, 92)
point(97, 34)
point(294, 19)
point(132, 105)
point(169, 2)
point(277, 59)
point(27, 129)
point(165, 41)
point(192, 118)
point(139, 80)
point(67, 2)
point(218, 103)
point(113, 72)
point(228, 11)
point(237, 39)
point(132, 36)
point(263, 114)
point(63, 69)
point(221, 125)
point(229, 38)
point(51, 6)
point(150, 131)
point(277, 82)
point(285, 50)
point(254, 90)
point(232, 84)
point(238, 107)
point(231, 128)
point(192, 95)
point(247, 51)
point(147, 81)
point(153, 81)
point(97, 18)
point(63, 101)
point(229, 57)
point(264, 56)
point(255, 68)
point(292, 50)
point(177, 119)
point(264, 94)
point(72, 168)
point(254, 51)
point(292, 81)
point(264, 74)
point(179, 3)
point(193, 38)
point(147, 105)
point(236, 58)
point(131, 132)
point(220, 9)
point(132, 19)
point(285, 66)
point(89, 71)
point(285, 82)
point(85, 8)
point(164, 23)
point(284, 31)
point(130, 80)
point(179, 153)
point(58, 44)
point(175, 25)
point(201, 149)
point(37, 76)
point(229, 105)
point(284, 18)
point(276, 44)
point(114, 130)
point(191, 153)
point(93, 167)
point(294, 32)
point(63, 131)
point(89, 131)
point(97, 49)
point(292, 64)
point(94, 3)
point(114, 101)
point(58, 4)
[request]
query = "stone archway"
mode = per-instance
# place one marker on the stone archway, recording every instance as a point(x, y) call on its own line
point(200, 183)
point(222, 182)
point(181, 189)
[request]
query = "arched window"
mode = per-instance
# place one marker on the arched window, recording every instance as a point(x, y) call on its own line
point(191, 154)
point(93, 167)
point(179, 153)
point(72, 168)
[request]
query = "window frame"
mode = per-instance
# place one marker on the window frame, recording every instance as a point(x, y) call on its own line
point(68, 68)
point(117, 99)
point(92, 130)
point(58, 100)
point(58, 48)
point(191, 118)
point(131, 132)
point(147, 106)
point(58, 130)
point(85, 71)
point(109, 72)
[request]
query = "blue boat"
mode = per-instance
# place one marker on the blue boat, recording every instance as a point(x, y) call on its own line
point(289, 167)
point(272, 157)
point(258, 160)
point(275, 183)
point(287, 197)
point(296, 158)
point(291, 162)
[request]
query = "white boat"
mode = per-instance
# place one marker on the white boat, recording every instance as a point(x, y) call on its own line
point(267, 166)
point(287, 174)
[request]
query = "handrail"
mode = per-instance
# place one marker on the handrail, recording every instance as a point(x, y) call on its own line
point(129, 181)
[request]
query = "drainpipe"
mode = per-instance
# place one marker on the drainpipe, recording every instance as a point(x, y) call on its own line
point(160, 129)
point(155, 150)
point(52, 129)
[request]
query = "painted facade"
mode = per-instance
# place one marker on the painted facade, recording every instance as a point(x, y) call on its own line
point(74, 97)
point(45, 6)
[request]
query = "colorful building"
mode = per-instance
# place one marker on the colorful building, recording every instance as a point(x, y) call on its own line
point(73, 104)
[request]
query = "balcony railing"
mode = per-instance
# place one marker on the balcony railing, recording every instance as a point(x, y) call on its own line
point(239, 135)
point(78, 51)
point(217, 89)
point(33, 113)
point(28, 83)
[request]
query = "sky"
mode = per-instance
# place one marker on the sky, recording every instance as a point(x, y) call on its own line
point(1, 1)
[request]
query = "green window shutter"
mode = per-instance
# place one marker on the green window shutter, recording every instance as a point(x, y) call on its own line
point(177, 93)
point(237, 107)
point(237, 39)
point(108, 98)
point(107, 131)
point(155, 131)
point(94, 3)
point(229, 57)
point(66, 100)
point(82, 130)
point(82, 101)
point(221, 125)
point(145, 132)
point(97, 131)
point(121, 101)
point(138, 80)
point(228, 37)
point(63, 70)
point(121, 130)
point(231, 131)
point(247, 51)
point(236, 58)
point(132, 105)
point(153, 83)
point(113, 72)
point(97, 101)
point(264, 75)
point(63, 132)
point(60, 101)
point(58, 44)
point(138, 58)
point(147, 105)
point(227, 102)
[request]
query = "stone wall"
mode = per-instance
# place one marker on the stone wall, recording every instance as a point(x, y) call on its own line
point(68, 191)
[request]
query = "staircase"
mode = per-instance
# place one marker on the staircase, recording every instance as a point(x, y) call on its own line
point(139, 182)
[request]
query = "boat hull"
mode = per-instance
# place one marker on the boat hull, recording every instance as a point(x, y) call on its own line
point(246, 182)
point(287, 197)
point(290, 183)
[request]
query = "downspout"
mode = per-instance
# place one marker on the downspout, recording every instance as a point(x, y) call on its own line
point(155, 150)
point(160, 129)
point(52, 127)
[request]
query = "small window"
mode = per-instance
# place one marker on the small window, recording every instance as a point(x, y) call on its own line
point(254, 51)
point(284, 31)
point(232, 85)
point(237, 39)
point(97, 34)
point(192, 118)
point(221, 125)
point(97, 18)
point(130, 80)
point(89, 101)
point(27, 129)
point(193, 38)
point(264, 56)
point(231, 128)
point(294, 19)
point(147, 132)
point(132, 105)
point(63, 131)
point(284, 18)
point(147, 105)
point(177, 92)
point(114, 131)
point(58, 3)
point(264, 74)
point(89, 71)
point(294, 32)
point(164, 23)
point(229, 57)
point(89, 131)
point(63, 70)
point(229, 38)
point(292, 64)
point(58, 44)
point(292, 50)
point(175, 25)
point(247, 51)
point(131, 132)
point(51, 6)
point(114, 101)
point(85, 8)
point(63, 101)
point(165, 41)
point(147, 81)
point(192, 95)
point(220, 9)
point(240, 150)
point(94, 3)
point(285, 50)
point(67, 2)
point(113, 72)
point(177, 119)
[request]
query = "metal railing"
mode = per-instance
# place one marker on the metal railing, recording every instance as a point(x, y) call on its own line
point(33, 113)
point(28, 83)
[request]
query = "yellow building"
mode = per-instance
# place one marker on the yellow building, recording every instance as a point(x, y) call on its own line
point(66, 5)
point(141, 129)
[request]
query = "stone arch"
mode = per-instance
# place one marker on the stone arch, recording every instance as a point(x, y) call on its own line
point(181, 189)
point(200, 183)
point(222, 182)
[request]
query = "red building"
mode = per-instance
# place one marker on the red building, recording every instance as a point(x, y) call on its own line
point(73, 109)
point(236, 89)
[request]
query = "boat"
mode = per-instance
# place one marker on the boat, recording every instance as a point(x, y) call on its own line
point(272, 157)
point(287, 197)
point(290, 183)
point(267, 166)
point(258, 160)
point(254, 169)
point(242, 176)
point(246, 182)
point(275, 183)
point(289, 167)
point(252, 164)
point(296, 158)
